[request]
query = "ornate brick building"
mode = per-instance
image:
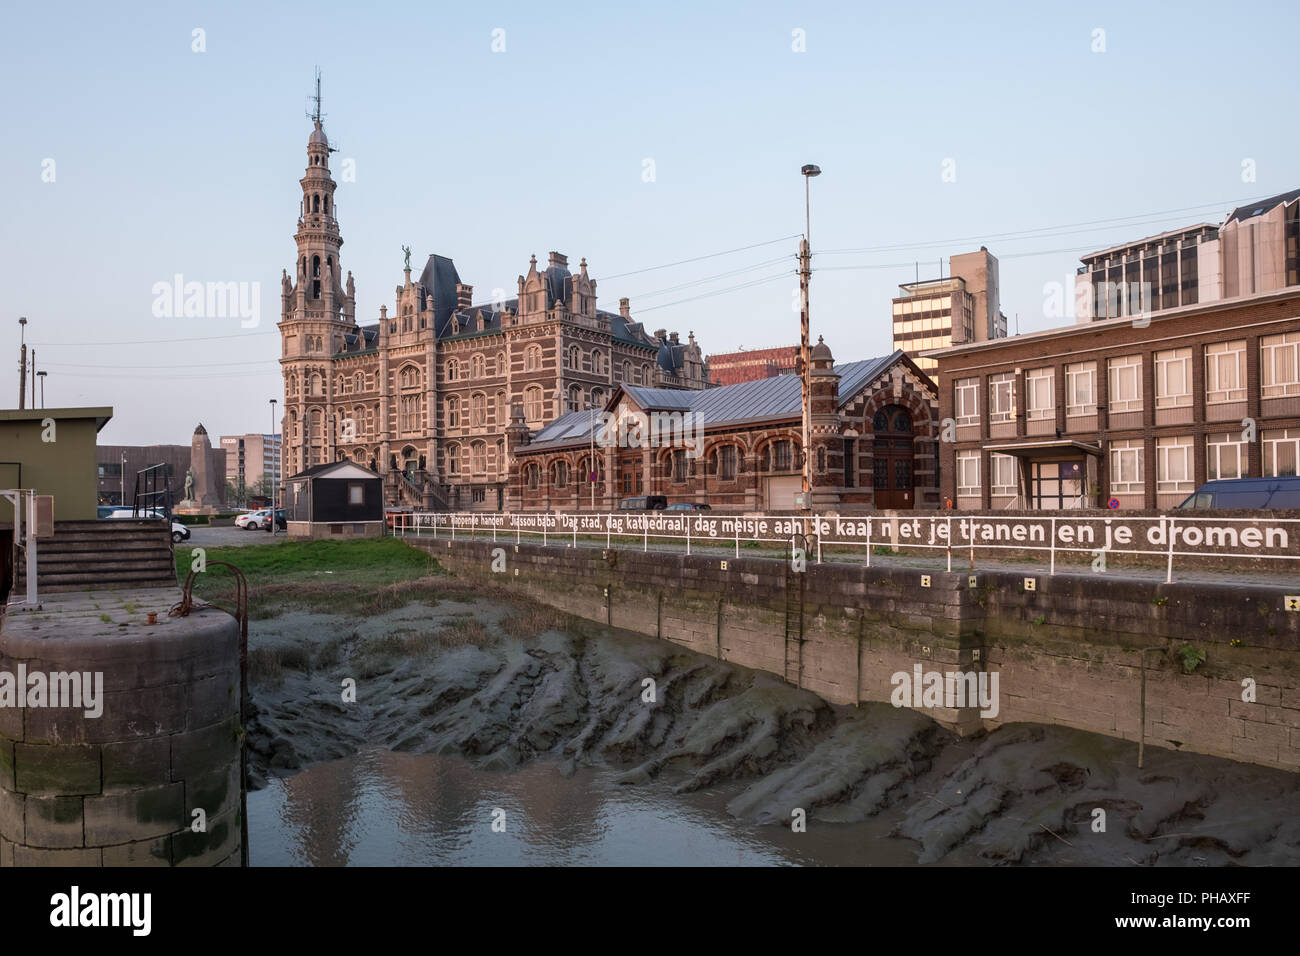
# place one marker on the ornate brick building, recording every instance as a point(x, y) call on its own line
point(874, 433)
point(423, 396)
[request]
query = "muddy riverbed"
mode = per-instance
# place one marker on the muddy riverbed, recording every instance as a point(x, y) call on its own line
point(465, 706)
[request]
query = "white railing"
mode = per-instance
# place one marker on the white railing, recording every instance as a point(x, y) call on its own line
point(1164, 536)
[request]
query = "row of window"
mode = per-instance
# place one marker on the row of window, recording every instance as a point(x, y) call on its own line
point(1225, 381)
point(483, 458)
point(596, 362)
point(1225, 457)
point(723, 463)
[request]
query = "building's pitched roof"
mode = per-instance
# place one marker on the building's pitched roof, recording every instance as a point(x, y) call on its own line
point(758, 400)
point(322, 471)
point(1242, 213)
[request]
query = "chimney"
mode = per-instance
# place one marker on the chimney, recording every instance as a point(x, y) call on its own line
point(673, 338)
point(559, 259)
point(625, 308)
point(661, 334)
point(464, 297)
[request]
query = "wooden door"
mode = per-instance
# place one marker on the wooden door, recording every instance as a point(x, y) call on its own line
point(892, 458)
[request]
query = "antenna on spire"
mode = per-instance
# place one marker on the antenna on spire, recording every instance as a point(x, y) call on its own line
point(315, 114)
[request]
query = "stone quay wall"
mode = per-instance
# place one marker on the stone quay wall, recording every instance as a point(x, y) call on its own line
point(1067, 648)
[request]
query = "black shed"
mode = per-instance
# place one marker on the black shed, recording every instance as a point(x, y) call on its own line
point(341, 492)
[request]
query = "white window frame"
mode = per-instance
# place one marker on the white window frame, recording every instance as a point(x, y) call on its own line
point(966, 401)
point(1215, 447)
point(1271, 349)
point(1073, 373)
point(1274, 440)
point(1034, 394)
point(1175, 464)
point(968, 468)
point(1218, 389)
point(1128, 367)
point(1132, 451)
point(1003, 385)
point(1166, 362)
point(1002, 468)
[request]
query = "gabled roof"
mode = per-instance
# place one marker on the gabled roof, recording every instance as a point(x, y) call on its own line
point(335, 469)
point(762, 399)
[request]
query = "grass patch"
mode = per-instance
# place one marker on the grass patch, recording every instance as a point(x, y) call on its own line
point(264, 666)
point(535, 619)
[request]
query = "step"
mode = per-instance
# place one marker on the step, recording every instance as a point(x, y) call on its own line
point(58, 566)
point(94, 581)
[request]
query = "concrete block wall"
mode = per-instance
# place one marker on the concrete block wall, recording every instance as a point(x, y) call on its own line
point(1066, 647)
point(120, 789)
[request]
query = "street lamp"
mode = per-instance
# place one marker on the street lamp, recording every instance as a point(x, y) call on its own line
point(121, 497)
point(41, 376)
point(805, 275)
point(271, 439)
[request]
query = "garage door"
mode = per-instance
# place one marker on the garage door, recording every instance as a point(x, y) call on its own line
point(781, 493)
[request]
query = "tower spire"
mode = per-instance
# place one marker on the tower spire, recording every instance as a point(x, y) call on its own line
point(315, 114)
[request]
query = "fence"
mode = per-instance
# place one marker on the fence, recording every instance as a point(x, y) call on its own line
point(1165, 537)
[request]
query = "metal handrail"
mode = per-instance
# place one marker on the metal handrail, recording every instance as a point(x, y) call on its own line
point(144, 500)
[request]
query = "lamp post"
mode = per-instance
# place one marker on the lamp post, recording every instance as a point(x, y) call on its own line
point(41, 376)
point(805, 274)
point(271, 439)
point(121, 498)
point(22, 364)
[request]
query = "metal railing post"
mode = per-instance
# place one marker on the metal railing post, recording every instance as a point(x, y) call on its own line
point(1169, 568)
point(1053, 548)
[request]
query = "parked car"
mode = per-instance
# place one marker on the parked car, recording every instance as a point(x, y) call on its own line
point(252, 520)
point(261, 520)
point(1246, 493)
point(179, 531)
point(644, 503)
point(687, 506)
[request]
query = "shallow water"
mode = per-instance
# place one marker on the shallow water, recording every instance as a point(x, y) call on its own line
point(382, 808)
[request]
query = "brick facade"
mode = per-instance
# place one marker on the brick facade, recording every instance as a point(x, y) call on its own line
point(1171, 426)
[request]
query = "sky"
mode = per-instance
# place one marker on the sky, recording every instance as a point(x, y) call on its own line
point(145, 141)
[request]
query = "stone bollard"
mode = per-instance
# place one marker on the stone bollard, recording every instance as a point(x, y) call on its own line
point(120, 787)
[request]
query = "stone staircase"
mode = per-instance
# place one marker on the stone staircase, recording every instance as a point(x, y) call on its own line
point(101, 555)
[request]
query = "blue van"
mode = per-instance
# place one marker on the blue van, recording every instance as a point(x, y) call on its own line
point(1272, 493)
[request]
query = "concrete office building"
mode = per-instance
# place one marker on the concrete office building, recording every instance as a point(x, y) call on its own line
point(937, 313)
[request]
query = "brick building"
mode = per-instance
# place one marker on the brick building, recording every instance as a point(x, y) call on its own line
point(731, 368)
point(873, 432)
point(423, 396)
point(118, 465)
point(1142, 411)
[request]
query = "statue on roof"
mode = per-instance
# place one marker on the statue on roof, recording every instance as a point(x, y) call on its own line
point(407, 250)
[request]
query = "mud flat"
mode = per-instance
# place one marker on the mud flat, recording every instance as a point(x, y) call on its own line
point(467, 674)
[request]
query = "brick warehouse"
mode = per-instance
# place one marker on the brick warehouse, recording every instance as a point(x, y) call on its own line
point(1142, 411)
point(879, 416)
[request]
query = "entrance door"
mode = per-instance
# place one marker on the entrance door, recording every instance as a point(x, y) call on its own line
point(891, 454)
point(1054, 485)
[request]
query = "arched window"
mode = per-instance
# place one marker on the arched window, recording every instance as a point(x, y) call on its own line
point(357, 381)
point(453, 412)
point(627, 371)
point(316, 385)
point(533, 403)
point(597, 398)
point(575, 358)
point(532, 475)
point(326, 204)
point(597, 363)
point(410, 377)
point(478, 409)
point(780, 455)
point(724, 462)
point(501, 456)
point(453, 369)
point(315, 203)
point(575, 398)
point(636, 376)
point(533, 358)
point(453, 459)
point(315, 277)
point(478, 455)
point(560, 473)
point(501, 364)
point(646, 378)
point(477, 366)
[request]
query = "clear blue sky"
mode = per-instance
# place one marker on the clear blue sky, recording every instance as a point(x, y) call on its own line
point(169, 161)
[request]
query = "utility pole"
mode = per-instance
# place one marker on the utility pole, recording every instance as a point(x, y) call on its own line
point(22, 368)
point(33, 378)
point(271, 440)
point(41, 375)
point(805, 357)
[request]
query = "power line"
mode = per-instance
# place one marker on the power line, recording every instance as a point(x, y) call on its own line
point(712, 255)
point(721, 275)
point(206, 338)
point(734, 288)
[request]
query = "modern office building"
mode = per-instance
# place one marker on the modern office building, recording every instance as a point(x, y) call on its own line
point(937, 313)
point(1255, 250)
point(1141, 413)
point(250, 458)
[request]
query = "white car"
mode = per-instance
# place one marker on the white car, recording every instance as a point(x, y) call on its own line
point(250, 519)
point(179, 531)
